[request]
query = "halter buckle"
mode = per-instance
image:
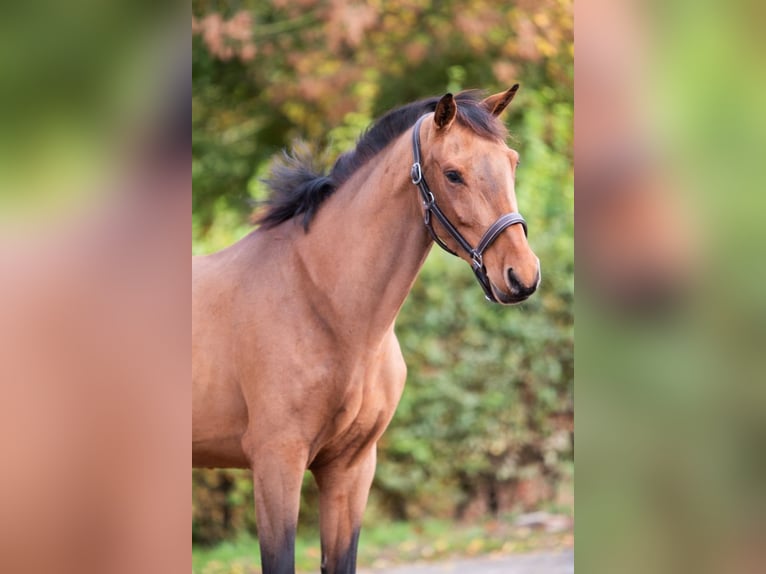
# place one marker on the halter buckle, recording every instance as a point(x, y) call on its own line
point(416, 173)
point(478, 260)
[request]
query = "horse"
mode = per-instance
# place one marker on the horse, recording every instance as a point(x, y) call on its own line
point(295, 363)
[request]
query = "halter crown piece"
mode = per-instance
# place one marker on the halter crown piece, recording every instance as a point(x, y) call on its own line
point(431, 210)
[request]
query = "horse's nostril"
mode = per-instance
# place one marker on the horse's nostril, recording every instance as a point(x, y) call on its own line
point(513, 281)
point(518, 287)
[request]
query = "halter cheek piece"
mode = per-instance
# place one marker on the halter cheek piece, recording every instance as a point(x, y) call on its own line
point(431, 210)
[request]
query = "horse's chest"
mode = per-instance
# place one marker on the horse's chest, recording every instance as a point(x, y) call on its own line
point(363, 404)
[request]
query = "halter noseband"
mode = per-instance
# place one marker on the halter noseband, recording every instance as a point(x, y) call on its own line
point(432, 209)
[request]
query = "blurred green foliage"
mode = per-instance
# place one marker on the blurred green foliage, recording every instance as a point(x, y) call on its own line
point(73, 106)
point(486, 421)
point(671, 426)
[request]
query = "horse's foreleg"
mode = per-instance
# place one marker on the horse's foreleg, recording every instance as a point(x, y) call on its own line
point(277, 478)
point(343, 489)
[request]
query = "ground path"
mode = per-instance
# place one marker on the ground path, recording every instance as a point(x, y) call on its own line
point(556, 562)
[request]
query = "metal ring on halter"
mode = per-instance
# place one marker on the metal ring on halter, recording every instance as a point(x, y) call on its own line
point(416, 173)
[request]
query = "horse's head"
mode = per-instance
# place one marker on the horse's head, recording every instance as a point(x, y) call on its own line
point(471, 176)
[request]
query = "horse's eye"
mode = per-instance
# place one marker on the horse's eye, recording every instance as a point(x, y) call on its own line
point(453, 176)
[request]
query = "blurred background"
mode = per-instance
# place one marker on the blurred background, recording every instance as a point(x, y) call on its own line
point(484, 432)
point(94, 218)
point(95, 202)
point(671, 319)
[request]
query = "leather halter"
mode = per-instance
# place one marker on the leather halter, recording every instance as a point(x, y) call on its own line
point(431, 210)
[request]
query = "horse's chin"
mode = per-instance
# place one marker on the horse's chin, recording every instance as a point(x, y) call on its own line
point(505, 298)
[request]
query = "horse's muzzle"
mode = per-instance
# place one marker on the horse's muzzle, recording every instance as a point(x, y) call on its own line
point(516, 291)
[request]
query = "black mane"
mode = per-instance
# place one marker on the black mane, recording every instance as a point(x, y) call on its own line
point(298, 188)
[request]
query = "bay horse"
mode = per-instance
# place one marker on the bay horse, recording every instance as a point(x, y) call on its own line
point(295, 364)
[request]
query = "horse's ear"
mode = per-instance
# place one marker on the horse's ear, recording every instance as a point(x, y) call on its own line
point(445, 112)
point(497, 103)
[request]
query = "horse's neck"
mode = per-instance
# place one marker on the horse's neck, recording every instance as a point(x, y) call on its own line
point(367, 244)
